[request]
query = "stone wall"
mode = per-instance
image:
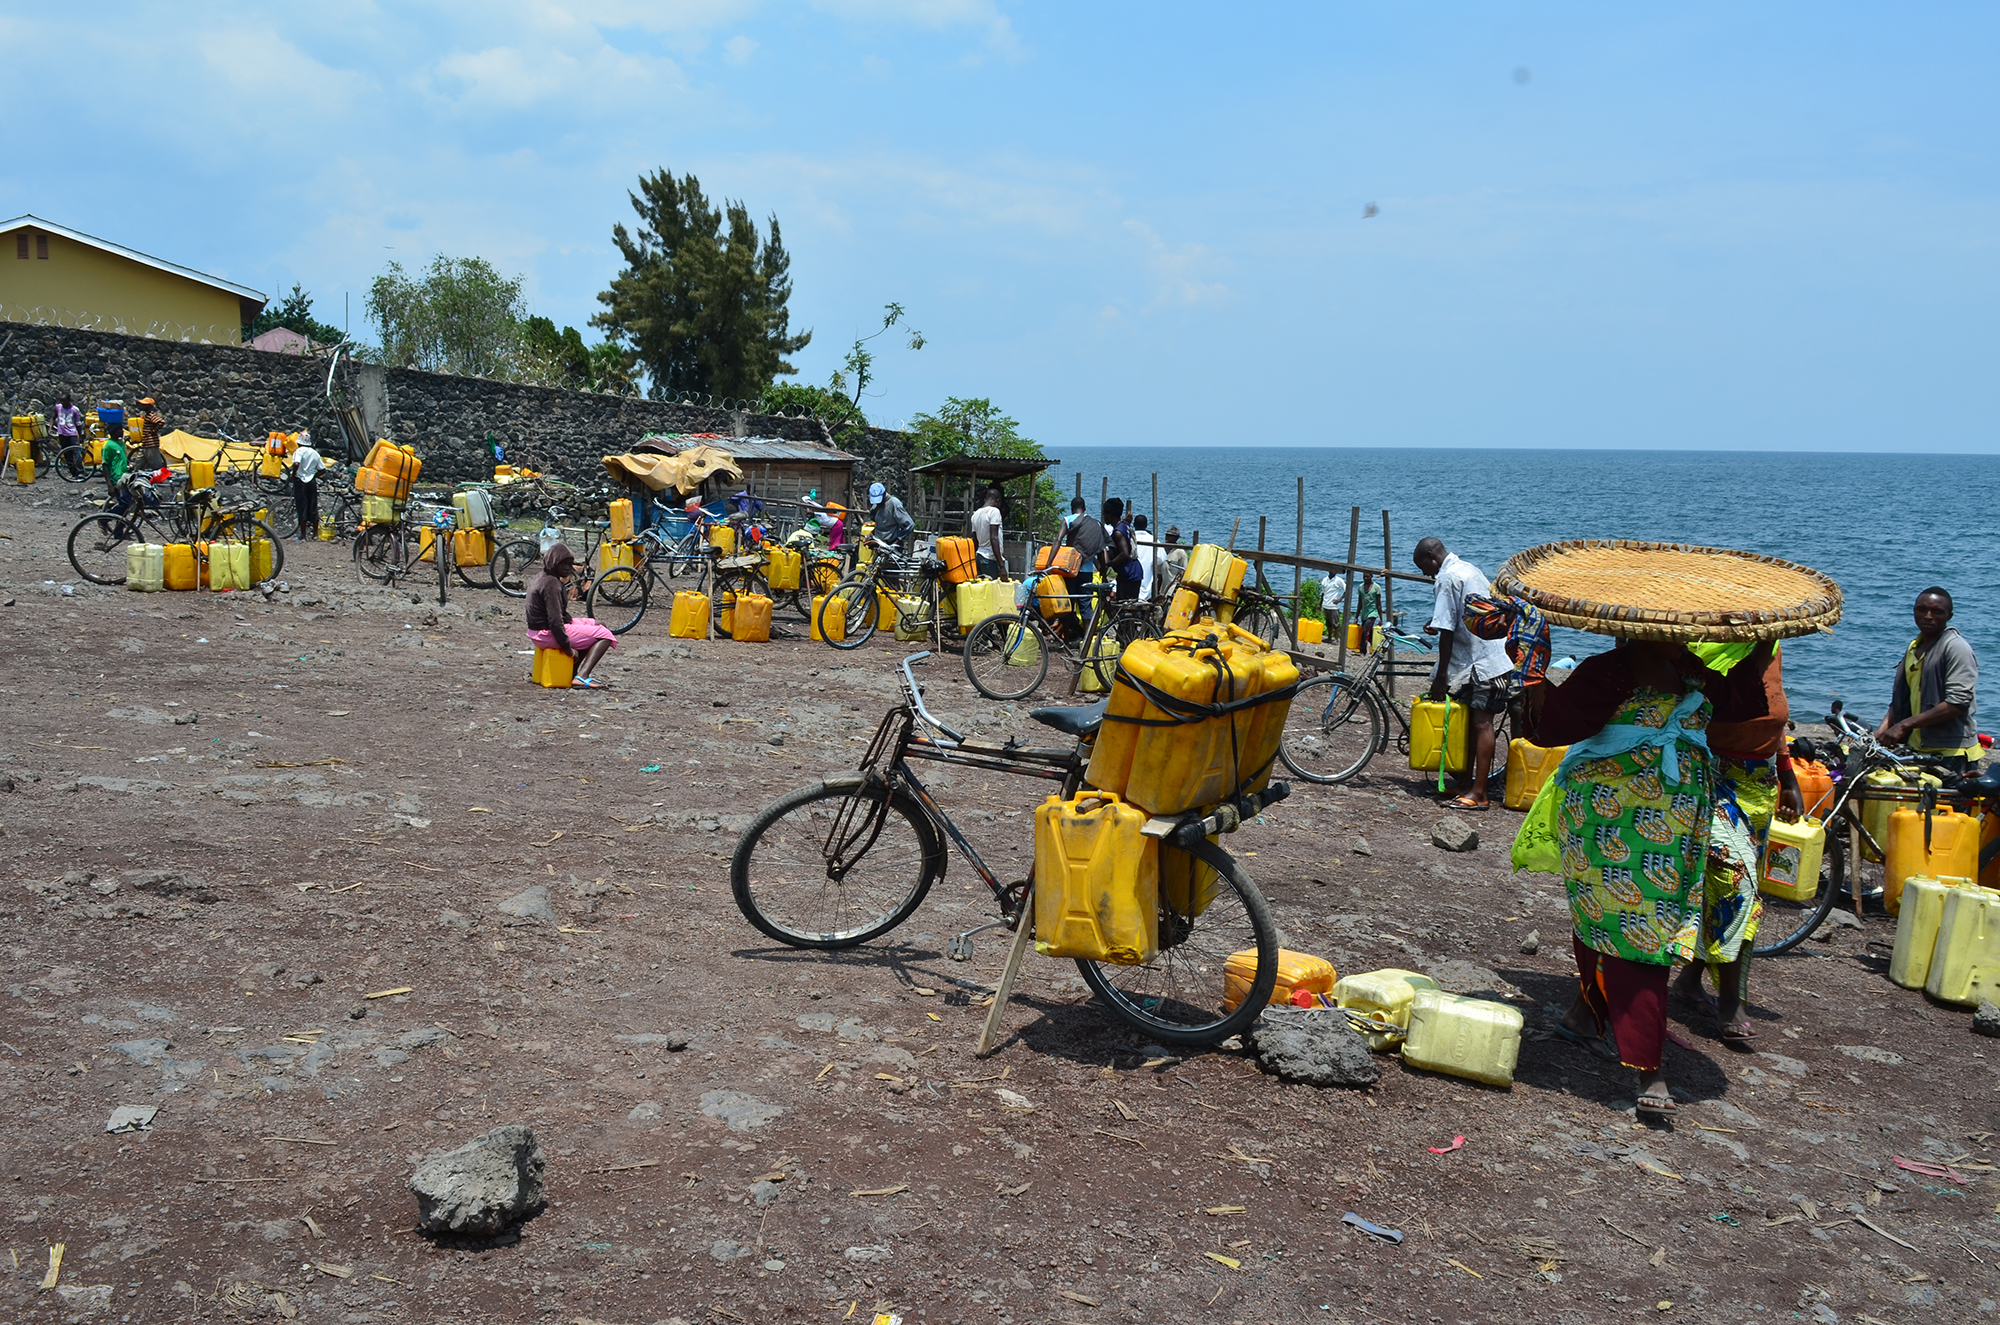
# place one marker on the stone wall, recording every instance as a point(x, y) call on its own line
point(246, 393)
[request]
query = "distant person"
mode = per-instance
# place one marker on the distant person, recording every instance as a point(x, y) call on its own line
point(148, 459)
point(1173, 564)
point(1086, 535)
point(893, 524)
point(1931, 706)
point(1120, 554)
point(1148, 553)
point(306, 464)
point(1476, 672)
point(986, 541)
point(550, 625)
point(1368, 611)
point(69, 428)
point(114, 472)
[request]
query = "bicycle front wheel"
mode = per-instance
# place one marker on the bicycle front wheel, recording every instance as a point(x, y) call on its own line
point(618, 599)
point(514, 564)
point(835, 866)
point(1786, 922)
point(378, 553)
point(240, 528)
point(70, 465)
point(1005, 658)
point(1177, 998)
point(97, 547)
point(1332, 731)
point(857, 599)
point(1104, 648)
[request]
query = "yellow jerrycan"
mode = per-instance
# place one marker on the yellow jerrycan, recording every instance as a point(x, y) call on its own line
point(1383, 997)
point(1965, 965)
point(1917, 931)
point(1428, 735)
point(1097, 880)
point(1465, 1037)
point(1953, 850)
point(829, 618)
point(1791, 863)
point(1296, 970)
point(690, 616)
point(1528, 767)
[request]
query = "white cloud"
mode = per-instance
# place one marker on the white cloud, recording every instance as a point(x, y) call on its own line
point(739, 49)
point(936, 15)
point(1176, 270)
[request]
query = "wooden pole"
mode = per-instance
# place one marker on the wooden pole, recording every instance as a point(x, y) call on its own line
point(1388, 603)
point(1079, 483)
point(989, 1034)
point(1233, 531)
point(1028, 538)
point(1103, 493)
point(1347, 593)
point(1298, 575)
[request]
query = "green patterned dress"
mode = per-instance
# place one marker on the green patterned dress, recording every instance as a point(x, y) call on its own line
point(1634, 837)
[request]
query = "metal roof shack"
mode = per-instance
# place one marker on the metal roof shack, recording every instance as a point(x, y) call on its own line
point(775, 467)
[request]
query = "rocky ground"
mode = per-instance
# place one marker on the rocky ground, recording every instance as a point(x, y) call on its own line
point(327, 886)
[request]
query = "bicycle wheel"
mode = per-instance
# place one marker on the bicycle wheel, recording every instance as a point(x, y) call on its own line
point(857, 598)
point(1177, 997)
point(282, 515)
point(834, 866)
point(378, 553)
point(1787, 923)
point(70, 466)
point(237, 527)
point(1005, 658)
point(1333, 729)
point(1103, 649)
point(514, 564)
point(618, 599)
point(97, 547)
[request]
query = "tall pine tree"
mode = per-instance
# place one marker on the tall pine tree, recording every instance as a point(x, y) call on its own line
point(701, 300)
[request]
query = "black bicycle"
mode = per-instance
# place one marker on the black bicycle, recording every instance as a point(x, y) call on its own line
point(851, 857)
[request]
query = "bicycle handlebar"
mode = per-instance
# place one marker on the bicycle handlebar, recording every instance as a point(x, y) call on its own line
point(916, 694)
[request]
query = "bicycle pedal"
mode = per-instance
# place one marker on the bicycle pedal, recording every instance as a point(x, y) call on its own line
point(960, 948)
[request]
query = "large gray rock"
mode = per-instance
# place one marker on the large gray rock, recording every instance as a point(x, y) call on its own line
point(1986, 1019)
point(482, 1188)
point(529, 904)
point(1454, 834)
point(1315, 1048)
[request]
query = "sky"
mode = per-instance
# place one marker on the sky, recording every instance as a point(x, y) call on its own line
point(1331, 224)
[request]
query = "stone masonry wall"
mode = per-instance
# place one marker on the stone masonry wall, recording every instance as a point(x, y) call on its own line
point(246, 393)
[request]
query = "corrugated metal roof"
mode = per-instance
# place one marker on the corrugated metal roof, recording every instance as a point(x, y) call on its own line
point(759, 450)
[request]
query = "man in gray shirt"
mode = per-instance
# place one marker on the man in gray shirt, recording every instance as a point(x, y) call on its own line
point(1931, 703)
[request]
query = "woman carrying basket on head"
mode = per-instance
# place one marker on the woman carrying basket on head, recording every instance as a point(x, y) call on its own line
point(550, 625)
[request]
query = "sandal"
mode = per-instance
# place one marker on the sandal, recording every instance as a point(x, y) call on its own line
point(1463, 803)
point(586, 683)
point(1739, 1037)
point(1658, 1106)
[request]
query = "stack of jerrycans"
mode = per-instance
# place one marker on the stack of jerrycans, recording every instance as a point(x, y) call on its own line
point(1193, 764)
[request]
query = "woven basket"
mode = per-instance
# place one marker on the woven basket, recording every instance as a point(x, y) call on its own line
point(1671, 591)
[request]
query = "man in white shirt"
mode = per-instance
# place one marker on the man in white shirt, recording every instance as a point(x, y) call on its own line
point(1476, 672)
point(986, 547)
point(1146, 550)
point(306, 464)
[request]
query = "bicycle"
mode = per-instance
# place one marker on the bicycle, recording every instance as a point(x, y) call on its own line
point(1007, 657)
point(1788, 922)
point(516, 561)
point(913, 576)
point(392, 552)
point(97, 543)
point(851, 857)
point(1339, 720)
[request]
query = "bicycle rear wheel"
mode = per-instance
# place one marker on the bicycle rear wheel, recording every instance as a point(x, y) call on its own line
point(1104, 649)
point(514, 564)
point(378, 553)
point(1333, 730)
point(858, 600)
point(835, 866)
point(1787, 923)
point(70, 465)
point(238, 527)
point(1005, 658)
point(97, 547)
point(1177, 997)
point(618, 599)
point(1266, 624)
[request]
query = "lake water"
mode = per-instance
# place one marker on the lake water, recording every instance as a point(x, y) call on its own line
point(1883, 526)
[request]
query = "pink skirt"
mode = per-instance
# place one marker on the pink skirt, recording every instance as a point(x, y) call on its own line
point(583, 632)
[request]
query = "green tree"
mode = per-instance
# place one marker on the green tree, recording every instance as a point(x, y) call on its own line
point(553, 358)
point(612, 368)
point(832, 404)
point(459, 316)
point(975, 426)
point(294, 313)
point(702, 298)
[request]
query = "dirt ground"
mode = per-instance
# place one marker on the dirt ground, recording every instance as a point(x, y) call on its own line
point(232, 821)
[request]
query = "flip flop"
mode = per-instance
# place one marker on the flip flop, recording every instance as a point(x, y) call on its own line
point(1586, 1043)
point(1461, 803)
point(586, 683)
point(1659, 1106)
point(1739, 1037)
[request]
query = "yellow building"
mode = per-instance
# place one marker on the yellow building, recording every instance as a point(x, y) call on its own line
point(49, 273)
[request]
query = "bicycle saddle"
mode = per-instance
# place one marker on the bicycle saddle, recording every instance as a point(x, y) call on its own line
point(1073, 720)
point(1988, 781)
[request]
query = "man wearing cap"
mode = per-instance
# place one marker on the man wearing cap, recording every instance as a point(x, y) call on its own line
point(893, 524)
point(1931, 702)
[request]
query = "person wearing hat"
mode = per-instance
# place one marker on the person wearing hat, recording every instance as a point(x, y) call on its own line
point(305, 464)
point(893, 524)
point(147, 459)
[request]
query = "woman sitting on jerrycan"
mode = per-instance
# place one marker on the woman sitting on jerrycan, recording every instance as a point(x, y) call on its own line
point(550, 625)
point(1625, 820)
